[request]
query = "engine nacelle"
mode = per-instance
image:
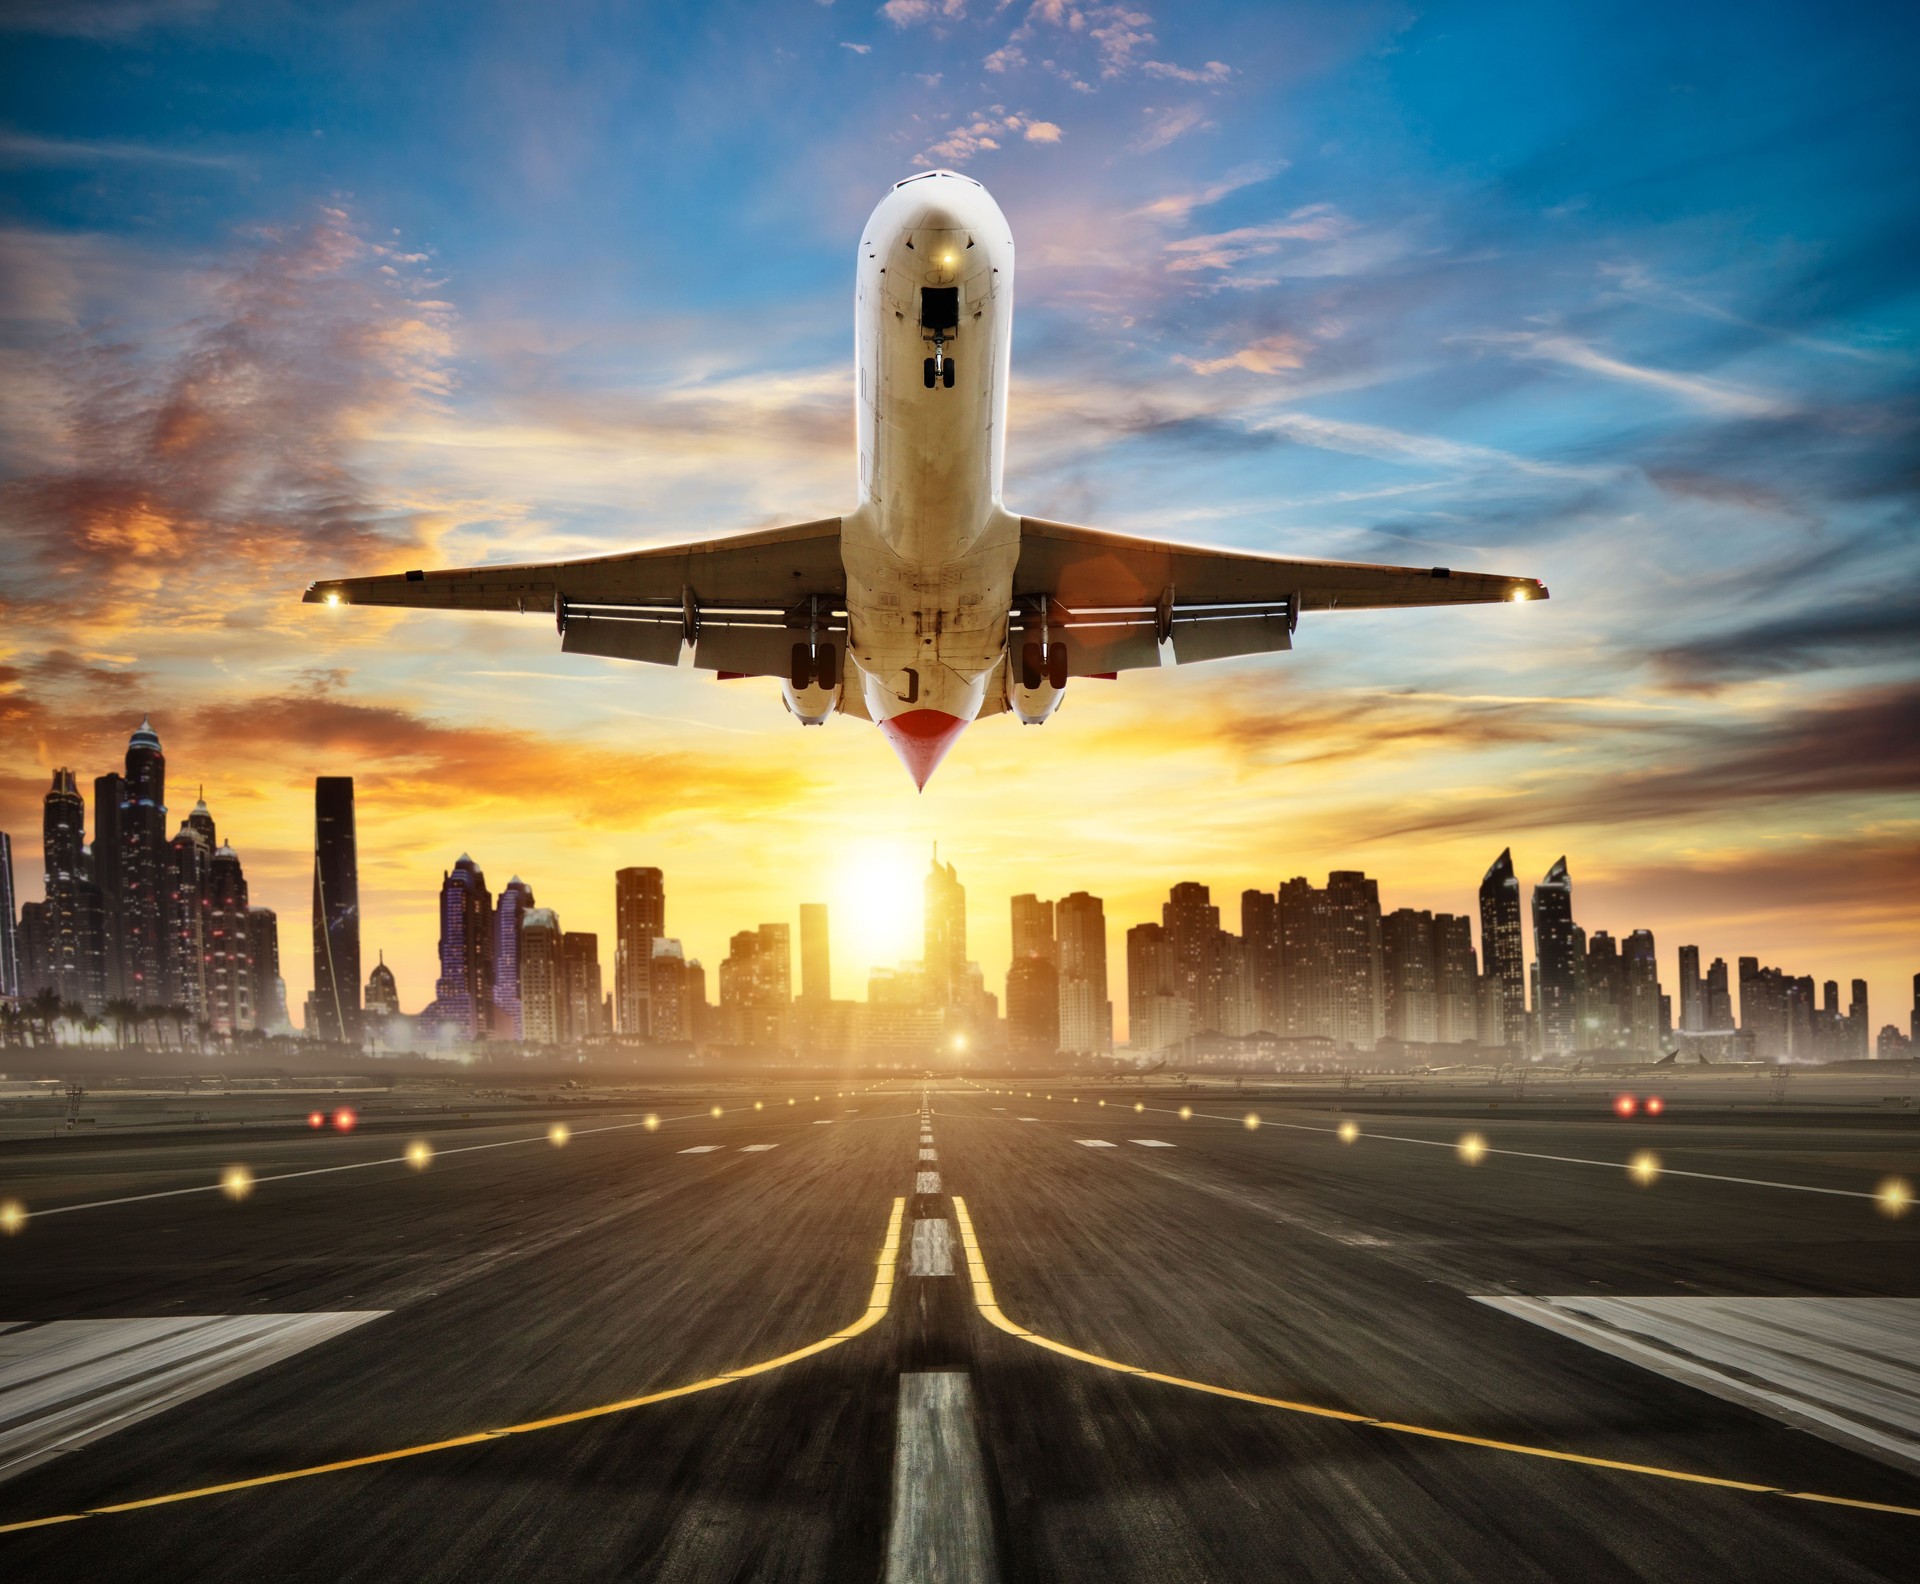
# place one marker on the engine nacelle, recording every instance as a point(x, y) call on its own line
point(810, 705)
point(1035, 688)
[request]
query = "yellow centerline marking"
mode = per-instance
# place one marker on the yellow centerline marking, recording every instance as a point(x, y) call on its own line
point(991, 1312)
point(878, 1303)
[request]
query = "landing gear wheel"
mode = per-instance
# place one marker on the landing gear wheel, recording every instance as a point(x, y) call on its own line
point(800, 673)
point(827, 672)
point(1057, 665)
point(929, 374)
point(946, 374)
point(1030, 672)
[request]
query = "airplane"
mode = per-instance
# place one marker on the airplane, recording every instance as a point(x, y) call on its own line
point(930, 604)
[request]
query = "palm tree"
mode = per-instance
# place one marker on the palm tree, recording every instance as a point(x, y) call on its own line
point(125, 1015)
point(43, 1011)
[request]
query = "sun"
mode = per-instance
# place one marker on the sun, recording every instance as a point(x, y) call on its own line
point(875, 912)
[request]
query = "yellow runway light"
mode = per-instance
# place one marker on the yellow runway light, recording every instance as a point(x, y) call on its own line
point(558, 1134)
point(419, 1154)
point(13, 1216)
point(1349, 1131)
point(1473, 1148)
point(1895, 1197)
point(236, 1182)
point(1250, 1121)
point(1644, 1168)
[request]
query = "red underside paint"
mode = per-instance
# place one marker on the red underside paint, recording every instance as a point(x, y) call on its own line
point(921, 738)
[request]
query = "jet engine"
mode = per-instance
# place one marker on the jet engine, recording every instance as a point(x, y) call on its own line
point(812, 690)
point(1036, 680)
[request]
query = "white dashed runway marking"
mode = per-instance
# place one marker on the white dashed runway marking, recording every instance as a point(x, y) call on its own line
point(755, 1149)
point(701, 1149)
point(1153, 1143)
point(932, 1249)
point(926, 1182)
point(927, 1154)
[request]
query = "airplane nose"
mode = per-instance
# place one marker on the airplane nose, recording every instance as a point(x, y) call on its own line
point(921, 738)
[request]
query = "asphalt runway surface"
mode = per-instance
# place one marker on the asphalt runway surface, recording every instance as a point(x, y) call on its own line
point(919, 1249)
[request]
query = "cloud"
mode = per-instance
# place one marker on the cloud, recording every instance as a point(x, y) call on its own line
point(983, 131)
point(908, 13)
point(102, 19)
point(1848, 746)
point(1861, 631)
point(1176, 208)
point(1269, 355)
point(199, 460)
point(1165, 126)
point(1212, 72)
point(1222, 250)
point(858, 49)
point(1005, 59)
point(1709, 395)
point(22, 149)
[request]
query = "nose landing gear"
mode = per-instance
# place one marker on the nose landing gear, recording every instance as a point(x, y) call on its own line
point(939, 368)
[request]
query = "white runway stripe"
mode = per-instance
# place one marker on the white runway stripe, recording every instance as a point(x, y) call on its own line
point(1097, 1143)
point(942, 1529)
point(1153, 1143)
point(927, 1154)
point(69, 1382)
point(1847, 1369)
point(755, 1149)
point(932, 1253)
point(927, 1182)
point(701, 1149)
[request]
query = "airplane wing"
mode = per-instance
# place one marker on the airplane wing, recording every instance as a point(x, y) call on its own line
point(742, 601)
point(1120, 597)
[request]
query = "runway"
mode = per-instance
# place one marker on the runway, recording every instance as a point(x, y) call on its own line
point(951, 1332)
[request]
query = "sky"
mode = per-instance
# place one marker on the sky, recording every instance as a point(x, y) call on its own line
point(1618, 296)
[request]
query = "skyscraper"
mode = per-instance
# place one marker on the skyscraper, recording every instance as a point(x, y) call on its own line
point(463, 992)
point(1456, 979)
point(1080, 956)
point(1693, 992)
point(1159, 1017)
point(1033, 983)
point(1719, 998)
point(336, 912)
point(143, 878)
point(1192, 924)
point(269, 989)
point(756, 988)
point(74, 963)
point(1261, 949)
point(1642, 1023)
point(671, 1016)
point(189, 872)
point(1859, 1023)
point(1411, 976)
point(516, 897)
point(945, 956)
point(229, 963)
point(1306, 960)
point(580, 958)
point(1503, 948)
point(816, 962)
point(109, 875)
point(543, 979)
point(639, 919)
point(1558, 953)
point(9, 930)
point(1353, 903)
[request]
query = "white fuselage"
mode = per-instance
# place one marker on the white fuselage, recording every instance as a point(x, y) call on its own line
point(930, 550)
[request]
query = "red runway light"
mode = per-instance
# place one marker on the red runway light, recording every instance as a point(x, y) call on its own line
point(1655, 1105)
point(316, 1119)
point(1625, 1105)
point(344, 1119)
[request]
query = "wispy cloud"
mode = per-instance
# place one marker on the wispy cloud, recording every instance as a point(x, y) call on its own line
point(20, 148)
point(1696, 390)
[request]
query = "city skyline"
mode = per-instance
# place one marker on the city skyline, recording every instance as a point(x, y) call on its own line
point(1331, 967)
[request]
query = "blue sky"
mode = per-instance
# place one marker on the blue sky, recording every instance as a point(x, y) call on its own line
point(1619, 296)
